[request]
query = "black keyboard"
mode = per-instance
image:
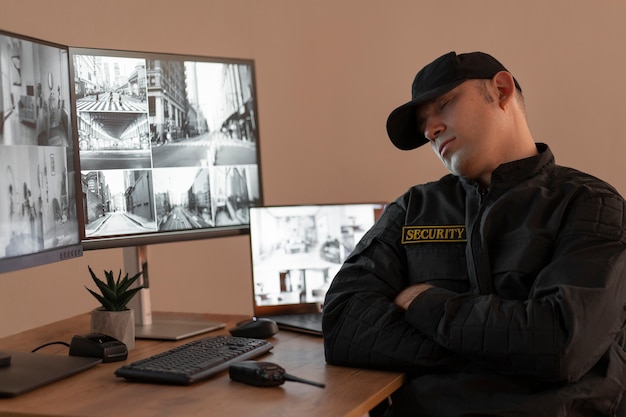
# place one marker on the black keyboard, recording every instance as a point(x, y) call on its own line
point(195, 360)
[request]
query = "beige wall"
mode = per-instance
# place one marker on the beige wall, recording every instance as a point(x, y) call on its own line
point(328, 73)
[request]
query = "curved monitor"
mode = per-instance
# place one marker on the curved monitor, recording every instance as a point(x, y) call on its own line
point(38, 212)
point(168, 146)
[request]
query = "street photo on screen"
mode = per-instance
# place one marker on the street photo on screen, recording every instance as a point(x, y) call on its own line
point(167, 142)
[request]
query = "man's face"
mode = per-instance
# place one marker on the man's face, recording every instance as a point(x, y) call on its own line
point(464, 127)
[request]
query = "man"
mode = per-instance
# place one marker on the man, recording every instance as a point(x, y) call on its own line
point(499, 289)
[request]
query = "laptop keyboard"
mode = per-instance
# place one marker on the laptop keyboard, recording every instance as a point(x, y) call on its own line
point(305, 322)
point(305, 318)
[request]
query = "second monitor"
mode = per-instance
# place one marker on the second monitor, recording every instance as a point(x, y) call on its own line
point(169, 151)
point(168, 146)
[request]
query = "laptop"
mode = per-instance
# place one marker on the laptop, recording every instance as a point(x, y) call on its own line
point(28, 371)
point(296, 251)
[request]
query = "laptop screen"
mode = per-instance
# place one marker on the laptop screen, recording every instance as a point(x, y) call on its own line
point(297, 250)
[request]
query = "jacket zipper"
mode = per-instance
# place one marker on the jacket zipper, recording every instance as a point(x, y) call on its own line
point(480, 262)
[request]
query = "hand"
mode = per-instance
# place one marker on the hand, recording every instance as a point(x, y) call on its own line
point(407, 295)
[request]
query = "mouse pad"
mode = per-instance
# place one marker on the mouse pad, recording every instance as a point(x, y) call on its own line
point(28, 371)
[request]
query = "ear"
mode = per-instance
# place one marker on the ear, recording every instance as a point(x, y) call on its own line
point(505, 84)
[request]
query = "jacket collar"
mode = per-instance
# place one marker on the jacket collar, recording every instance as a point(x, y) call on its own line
point(512, 173)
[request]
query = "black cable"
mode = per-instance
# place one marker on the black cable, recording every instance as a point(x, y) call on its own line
point(50, 343)
point(293, 378)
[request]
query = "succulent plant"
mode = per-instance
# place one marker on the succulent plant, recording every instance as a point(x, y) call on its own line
point(115, 293)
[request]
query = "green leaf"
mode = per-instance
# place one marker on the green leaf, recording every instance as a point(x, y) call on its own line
point(115, 293)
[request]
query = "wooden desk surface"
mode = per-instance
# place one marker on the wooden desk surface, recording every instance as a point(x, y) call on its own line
point(98, 392)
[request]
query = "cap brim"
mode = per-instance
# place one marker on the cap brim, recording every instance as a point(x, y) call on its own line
point(402, 122)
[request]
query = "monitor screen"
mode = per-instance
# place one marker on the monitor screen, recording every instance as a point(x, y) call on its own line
point(38, 204)
point(168, 146)
point(297, 250)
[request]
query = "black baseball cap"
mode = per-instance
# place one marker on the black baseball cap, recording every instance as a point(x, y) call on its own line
point(437, 78)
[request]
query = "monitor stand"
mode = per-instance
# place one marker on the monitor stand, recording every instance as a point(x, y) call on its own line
point(147, 326)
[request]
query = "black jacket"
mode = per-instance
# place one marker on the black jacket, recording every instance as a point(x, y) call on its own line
point(528, 317)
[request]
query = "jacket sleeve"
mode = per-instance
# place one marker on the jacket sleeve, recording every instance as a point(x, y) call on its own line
point(574, 312)
point(362, 326)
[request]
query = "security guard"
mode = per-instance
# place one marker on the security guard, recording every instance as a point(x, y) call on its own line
point(499, 289)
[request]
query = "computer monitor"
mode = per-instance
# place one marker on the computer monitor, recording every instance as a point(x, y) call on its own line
point(168, 151)
point(38, 176)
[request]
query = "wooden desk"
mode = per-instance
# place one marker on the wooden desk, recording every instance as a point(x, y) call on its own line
point(98, 392)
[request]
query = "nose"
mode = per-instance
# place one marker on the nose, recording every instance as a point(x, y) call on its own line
point(433, 128)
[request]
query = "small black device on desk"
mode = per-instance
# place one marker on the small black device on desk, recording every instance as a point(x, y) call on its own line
point(98, 345)
point(5, 359)
point(263, 374)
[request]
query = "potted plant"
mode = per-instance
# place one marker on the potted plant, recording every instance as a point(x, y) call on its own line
point(114, 318)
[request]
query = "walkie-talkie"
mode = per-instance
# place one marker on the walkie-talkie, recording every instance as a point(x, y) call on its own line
point(263, 374)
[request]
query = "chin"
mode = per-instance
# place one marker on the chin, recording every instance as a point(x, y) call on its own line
point(456, 170)
point(457, 166)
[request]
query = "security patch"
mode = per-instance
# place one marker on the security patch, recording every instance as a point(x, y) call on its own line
point(433, 234)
